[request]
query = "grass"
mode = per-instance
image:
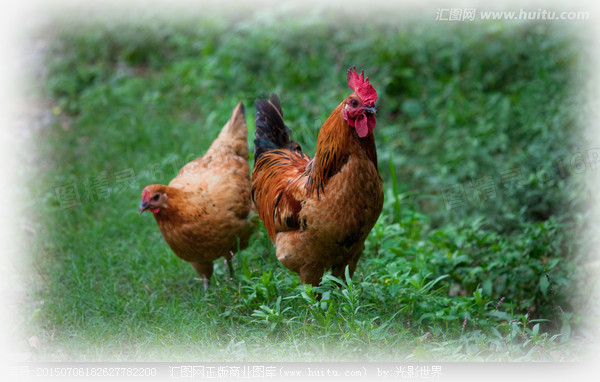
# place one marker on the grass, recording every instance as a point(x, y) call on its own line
point(476, 255)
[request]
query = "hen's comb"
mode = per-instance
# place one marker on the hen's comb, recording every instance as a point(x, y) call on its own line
point(361, 86)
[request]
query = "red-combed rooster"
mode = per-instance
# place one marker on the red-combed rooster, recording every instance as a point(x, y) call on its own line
point(203, 212)
point(319, 211)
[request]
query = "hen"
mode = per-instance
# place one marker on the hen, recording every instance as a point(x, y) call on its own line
point(203, 212)
point(318, 212)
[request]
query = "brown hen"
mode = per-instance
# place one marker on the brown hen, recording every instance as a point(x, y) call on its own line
point(203, 212)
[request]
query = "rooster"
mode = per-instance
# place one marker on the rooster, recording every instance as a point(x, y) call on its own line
point(318, 212)
point(203, 212)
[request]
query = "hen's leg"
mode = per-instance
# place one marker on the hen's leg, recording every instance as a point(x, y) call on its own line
point(205, 270)
point(229, 262)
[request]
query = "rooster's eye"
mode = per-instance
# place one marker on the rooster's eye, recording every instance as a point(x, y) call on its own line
point(354, 103)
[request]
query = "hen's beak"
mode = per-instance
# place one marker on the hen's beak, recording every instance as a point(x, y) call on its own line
point(370, 110)
point(143, 207)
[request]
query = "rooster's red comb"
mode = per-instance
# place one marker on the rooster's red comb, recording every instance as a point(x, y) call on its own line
point(361, 86)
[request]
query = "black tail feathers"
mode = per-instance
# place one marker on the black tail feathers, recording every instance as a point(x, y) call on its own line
point(271, 131)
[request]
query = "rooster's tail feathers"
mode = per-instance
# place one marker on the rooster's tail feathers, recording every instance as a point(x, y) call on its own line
point(271, 131)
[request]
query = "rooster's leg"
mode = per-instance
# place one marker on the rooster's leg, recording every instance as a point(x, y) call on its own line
point(354, 262)
point(339, 270)
point(311, 274)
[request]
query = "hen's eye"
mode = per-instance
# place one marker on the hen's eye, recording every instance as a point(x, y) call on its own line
point(354, 103)
point(155, 198)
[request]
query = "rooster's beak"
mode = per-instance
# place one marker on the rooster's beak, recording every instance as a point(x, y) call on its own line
point(143, 207)
point(370, 110)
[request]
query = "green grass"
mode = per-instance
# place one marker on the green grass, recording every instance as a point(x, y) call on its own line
point(489, 107)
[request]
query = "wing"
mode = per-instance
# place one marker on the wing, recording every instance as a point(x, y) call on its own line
point(191, 177)
point(278, 189)
point(224, 180)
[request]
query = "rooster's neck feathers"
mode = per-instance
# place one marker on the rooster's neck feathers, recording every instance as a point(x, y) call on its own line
point(335, 143)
